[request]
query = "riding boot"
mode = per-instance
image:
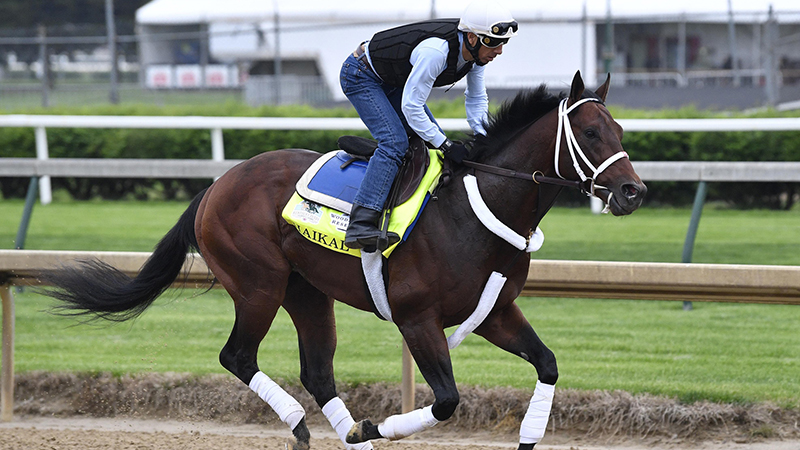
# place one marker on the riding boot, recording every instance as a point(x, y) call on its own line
point(363, 232)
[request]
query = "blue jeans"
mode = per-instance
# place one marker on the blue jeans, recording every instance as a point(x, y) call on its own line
point(379, 107)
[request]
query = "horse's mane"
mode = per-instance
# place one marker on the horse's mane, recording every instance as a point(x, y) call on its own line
point(525, 108)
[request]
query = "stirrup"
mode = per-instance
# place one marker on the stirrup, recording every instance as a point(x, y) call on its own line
point(387, 240)
point(370, 244)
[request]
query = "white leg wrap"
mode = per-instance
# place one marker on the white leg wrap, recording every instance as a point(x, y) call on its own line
point(404, 425)
point(535, 421)
point(342, 421)
point(287, 408)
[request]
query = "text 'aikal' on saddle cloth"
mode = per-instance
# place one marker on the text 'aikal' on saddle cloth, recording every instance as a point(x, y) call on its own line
point(321, 204)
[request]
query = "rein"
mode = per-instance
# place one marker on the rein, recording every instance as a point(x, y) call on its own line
point(537, 177)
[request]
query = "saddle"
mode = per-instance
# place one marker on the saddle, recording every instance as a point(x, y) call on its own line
point(415, 164)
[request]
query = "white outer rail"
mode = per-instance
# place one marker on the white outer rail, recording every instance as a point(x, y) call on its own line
point(216, 124)
point(351, 123)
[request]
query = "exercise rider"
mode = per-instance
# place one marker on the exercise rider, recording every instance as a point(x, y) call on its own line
point(388, 80)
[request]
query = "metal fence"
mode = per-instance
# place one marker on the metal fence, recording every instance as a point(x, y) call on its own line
point(292, 89)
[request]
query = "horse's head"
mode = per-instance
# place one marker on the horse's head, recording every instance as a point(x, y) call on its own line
point(589, 148)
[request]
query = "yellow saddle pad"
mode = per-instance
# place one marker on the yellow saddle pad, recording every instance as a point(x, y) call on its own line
point(326, 226)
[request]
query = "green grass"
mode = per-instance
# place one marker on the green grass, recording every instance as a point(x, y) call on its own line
point(76, 95)
point(725, 236)
point(100, 226)
point(722, 352)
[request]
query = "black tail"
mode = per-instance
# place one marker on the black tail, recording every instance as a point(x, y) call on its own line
point(95, 288)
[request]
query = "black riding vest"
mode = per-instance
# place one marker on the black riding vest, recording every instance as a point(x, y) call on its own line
point(390, 51)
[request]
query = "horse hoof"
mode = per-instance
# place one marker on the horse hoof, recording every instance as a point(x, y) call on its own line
point(294, 445)
point(362, 432)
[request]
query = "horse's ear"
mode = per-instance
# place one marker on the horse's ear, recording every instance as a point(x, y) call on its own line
point(576, 91)
point(602, 91)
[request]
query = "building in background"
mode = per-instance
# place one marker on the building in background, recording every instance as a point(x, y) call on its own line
point(314, 37)
point(289, 51)
point(660, 54)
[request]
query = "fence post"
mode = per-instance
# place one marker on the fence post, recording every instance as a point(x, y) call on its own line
point(45, 66)
point(30, 200)
point(217, 145)
point(43, 154)
point(596, 205)
point(7, 376)
point(111, 29)
point(771, 34)
point(691, 233)
point(407, 385)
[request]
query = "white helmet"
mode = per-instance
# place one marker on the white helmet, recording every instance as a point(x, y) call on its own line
point(491, 21)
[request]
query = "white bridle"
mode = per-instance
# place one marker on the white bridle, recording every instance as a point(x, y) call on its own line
point(572, 145)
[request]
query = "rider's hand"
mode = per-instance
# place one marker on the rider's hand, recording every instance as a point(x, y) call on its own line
point(453, 151)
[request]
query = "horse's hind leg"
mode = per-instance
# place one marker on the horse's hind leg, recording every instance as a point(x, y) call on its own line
point(313, 317)
point(510, 330)
point(255, 310)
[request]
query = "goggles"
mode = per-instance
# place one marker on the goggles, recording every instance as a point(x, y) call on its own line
point(492, 42)
point(501, 28)
point(496, 38)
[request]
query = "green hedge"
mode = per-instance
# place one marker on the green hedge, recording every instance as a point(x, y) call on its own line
point(149, 143)
point(719, 146)
point(242, 144)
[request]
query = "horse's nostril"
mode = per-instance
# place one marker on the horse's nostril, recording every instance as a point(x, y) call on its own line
point(634, 191)
point(631, 191)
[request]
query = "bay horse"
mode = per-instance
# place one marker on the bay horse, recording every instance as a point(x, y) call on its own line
point(435, 278)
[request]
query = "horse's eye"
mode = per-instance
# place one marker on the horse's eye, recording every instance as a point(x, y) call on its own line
point(590, 133)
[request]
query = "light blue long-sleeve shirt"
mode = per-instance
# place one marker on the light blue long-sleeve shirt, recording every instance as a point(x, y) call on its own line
point(428, 60)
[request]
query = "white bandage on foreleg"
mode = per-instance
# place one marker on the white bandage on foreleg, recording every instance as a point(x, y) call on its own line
point(287, 408)
point(342, 421)
point(535, 421)
point(404, 425)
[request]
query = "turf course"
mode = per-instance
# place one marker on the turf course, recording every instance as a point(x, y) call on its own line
point(723, 352)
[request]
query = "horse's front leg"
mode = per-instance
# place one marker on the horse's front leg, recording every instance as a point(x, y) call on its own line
point(428, 345)
point(509, 329)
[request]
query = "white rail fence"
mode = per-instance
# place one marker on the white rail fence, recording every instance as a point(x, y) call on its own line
point(215, 125)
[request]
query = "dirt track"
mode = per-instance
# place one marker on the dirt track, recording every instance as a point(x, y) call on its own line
point(182, 411)
point(38, 433)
